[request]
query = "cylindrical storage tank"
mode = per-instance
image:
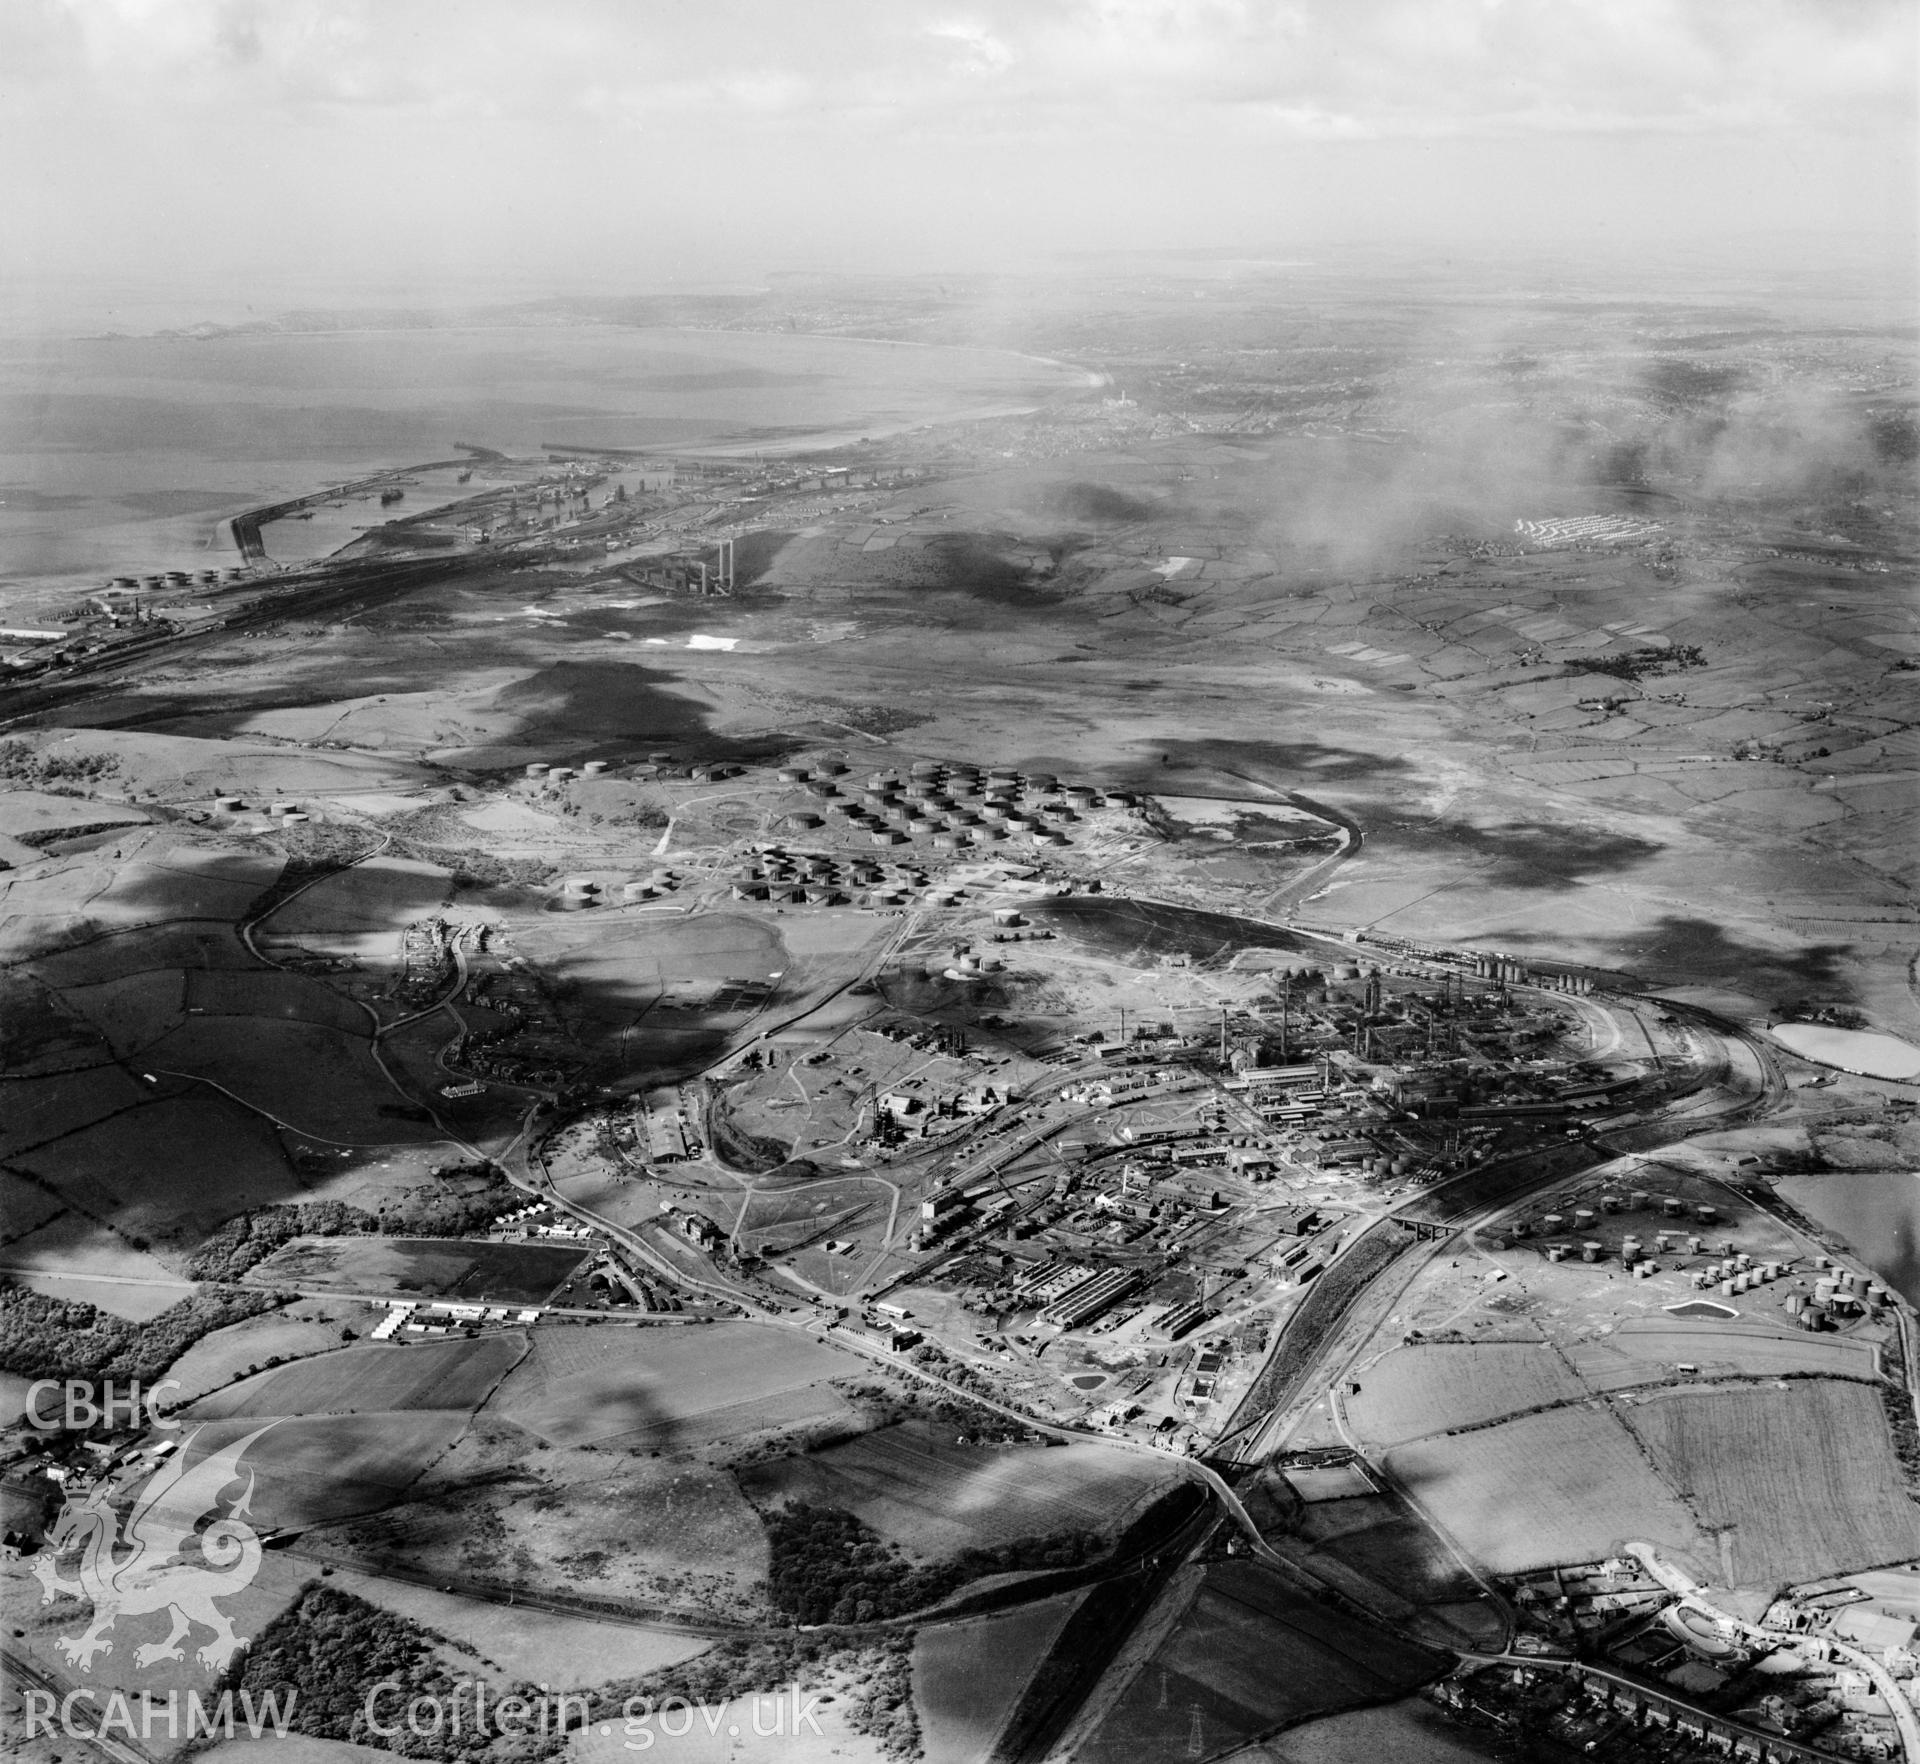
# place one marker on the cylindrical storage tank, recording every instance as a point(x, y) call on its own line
point(1672, 1205)
point(1726, 1289)
point(1795, 1303)
point(792, 774)
point(800, 823)
point(1695, 1245)
point(1555, 1222)
point(228, 805)
point(292, 818)
point(1705, 1214)
point(580, 885)
point(1590, 1251)
point(1583, 1218)
point(1629, 1250)
point(593, 768)
point(742, 890)
point(1640, 1197)
point(1823, 1292)
point(281, 808)
point(538, 769)
point(1612, 1202)
point(1556, 1252)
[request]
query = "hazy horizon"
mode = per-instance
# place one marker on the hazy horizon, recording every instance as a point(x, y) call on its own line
point(212, 158)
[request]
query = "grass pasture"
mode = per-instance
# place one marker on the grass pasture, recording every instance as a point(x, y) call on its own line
point(427, 1267)
point(454, 1374)
point(1249, 1655)
point(968, 1677)
point(1645, 1349)
point(216, 1360)
point(919, 1489)
point(653, 1531)
point(320, 1081)
point(1803, 1474)
point(191, 944)
point(1429, 1388)
point(662, 1388)
point(313, 1469)
point(382, 894)
point(568, 1653)
point(1564, 1486)
point(24, 1207)
point(260, 992)
point(134, 1011)
point(171, 1171)
point(40, 1109)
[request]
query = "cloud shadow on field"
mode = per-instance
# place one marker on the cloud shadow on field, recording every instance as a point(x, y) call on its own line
point(1523, 855)
point(1679, 949)
point(1221, 767)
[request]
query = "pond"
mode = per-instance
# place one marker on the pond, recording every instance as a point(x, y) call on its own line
point(1852, 1050)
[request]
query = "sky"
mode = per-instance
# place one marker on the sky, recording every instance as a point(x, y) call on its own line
point(317, 151)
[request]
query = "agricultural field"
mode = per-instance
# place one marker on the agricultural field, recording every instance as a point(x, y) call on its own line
point(1406, 1569)
point(72, 1256)
point(469, 1269)
point(667, 1532)
point(255, 992)
point(920, 1489)
point(382, 894)
point(314, 1469)
point(36, 1629)
point(456, 1374)
point(1645, 1350)
point(567, 1653)
point(1251, 1654)
point(43, 1109)
point(1802, 1476)
point(132, 1012)
point(318, 1080)
point(1569, 1485)
point(1412, 1730)
point(667, 1388)
point(968, 1677)
point(171, 1172)
point(302, 1329)
point(1424, 1389)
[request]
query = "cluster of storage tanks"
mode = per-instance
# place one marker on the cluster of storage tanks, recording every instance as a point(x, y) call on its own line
point(163, 580)
point(811, 879)
point(580, 892)
point(1512, 973)
point(286, 813)
point(1634, 1253)
point(539, 772)
point(951, 805)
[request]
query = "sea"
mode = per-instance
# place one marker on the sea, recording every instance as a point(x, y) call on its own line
point(130, 453)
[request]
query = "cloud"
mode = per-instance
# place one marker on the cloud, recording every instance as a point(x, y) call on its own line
point(1328, 68)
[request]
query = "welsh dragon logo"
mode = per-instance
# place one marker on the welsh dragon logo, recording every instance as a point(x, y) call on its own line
point(162, 1557)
